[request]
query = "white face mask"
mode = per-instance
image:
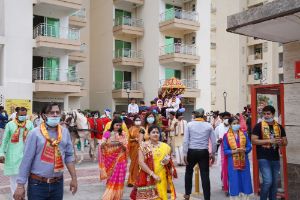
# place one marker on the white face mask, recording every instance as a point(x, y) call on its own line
point(137, 123)
point(226, 122)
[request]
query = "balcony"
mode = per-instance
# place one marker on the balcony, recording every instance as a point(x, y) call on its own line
point(254, 79)
point(55, 80)
point(255, 59)
point(129, 4)
point(78, 19)
point(55, 41)
point(120, 90)
point(128, 57)
point(179, 54)
point(56, 8)
point(192, 89)
point(253, 3)
point(77, 57)
point(176, 22)
point(127, 27)
point(252, 41)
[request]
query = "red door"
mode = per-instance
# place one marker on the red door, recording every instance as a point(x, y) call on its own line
point(261, 96)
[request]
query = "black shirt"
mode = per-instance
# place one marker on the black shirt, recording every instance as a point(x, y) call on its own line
point(267, 153)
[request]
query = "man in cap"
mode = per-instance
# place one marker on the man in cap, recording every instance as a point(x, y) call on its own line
point(195, 150)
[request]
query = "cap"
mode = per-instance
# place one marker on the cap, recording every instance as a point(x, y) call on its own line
point(199, 111)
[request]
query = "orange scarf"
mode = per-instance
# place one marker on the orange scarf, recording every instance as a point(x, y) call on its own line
point(51, 152)
point(266, 133)
point(15, 137)
point(239, 161)
point(199, 119)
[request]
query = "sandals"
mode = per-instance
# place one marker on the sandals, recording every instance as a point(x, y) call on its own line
point(186, 197)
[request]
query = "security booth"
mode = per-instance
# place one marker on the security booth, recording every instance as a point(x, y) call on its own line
point(261, 96)
point(278, 21)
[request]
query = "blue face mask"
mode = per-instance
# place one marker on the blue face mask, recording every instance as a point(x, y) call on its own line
point(269, 120)
point(53, 121)
point(236, 127)
point(150, 120)
point(21, 118)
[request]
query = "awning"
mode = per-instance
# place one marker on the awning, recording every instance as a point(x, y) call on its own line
point(277, 21)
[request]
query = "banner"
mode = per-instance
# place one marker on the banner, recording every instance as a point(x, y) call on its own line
point(11, 104)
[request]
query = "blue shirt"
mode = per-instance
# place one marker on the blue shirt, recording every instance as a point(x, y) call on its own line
point(3, 120)
point(34, 145)
point(197, 135)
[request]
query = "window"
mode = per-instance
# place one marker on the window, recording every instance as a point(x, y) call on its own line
point(170, 73)
point(280, 60)
point(122, 79)
point(281, 79)
point(122, 17)
point(122, 49)
point(213, 45)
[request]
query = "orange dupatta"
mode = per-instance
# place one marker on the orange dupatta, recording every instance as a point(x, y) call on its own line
point(52, 145)
point(239, 161)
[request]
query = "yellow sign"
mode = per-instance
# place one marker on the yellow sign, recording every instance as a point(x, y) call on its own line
point(11, 104)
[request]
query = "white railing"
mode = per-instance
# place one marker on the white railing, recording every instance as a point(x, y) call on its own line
point(180, 49)
point(127, 53)
point(54, 74)
point(124, 20)
point(179, 14)
point(188, 83)
point(80, 13)
point(56, 31)
point(131, 85)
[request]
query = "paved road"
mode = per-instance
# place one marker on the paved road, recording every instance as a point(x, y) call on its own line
point(91, 189)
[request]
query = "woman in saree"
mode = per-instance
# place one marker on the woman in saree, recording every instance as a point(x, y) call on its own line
point(150, 119)
point(157, 169)
point(133, 149)
point(113, 160)
point(237, 146)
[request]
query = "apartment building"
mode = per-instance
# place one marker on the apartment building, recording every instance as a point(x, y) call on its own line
point(42, 51)
point(137, 45)
point(238, 61)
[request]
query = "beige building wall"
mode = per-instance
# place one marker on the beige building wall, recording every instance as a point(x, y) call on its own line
point(101, 54)
point(152, 70)
point(234, 59)
point(84, 67)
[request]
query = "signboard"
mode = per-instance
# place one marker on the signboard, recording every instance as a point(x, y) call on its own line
point(297, 70)
point(11, 104)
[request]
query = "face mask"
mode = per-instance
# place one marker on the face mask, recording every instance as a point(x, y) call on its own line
point(21, 118)
point(226, 122)
point(236, 127)
point(150, 120)
point(96, 116)
point(122, 117)
point(53, 121)
point(269, 120)
point(137, 123)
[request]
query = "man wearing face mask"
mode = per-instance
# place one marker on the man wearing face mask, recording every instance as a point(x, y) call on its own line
point(11, 150)
point(220, 131)
point(48, 149)
point(268, 136)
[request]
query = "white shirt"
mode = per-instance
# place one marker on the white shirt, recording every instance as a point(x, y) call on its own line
point(133, 108)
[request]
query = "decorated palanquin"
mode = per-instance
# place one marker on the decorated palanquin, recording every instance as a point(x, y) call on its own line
point(172, 87)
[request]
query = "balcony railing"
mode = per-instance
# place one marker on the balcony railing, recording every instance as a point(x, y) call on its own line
point(56, 32)
point(128, 53)
point(173, 13)
point(128, 21)
point(131, 85)
point(54, 74)
point(180, 49)
point(80, 13)
point(188, 83)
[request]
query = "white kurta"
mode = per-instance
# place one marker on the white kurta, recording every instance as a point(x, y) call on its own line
point(220, 131)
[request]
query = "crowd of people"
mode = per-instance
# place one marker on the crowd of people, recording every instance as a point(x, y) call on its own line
point(156, 139)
